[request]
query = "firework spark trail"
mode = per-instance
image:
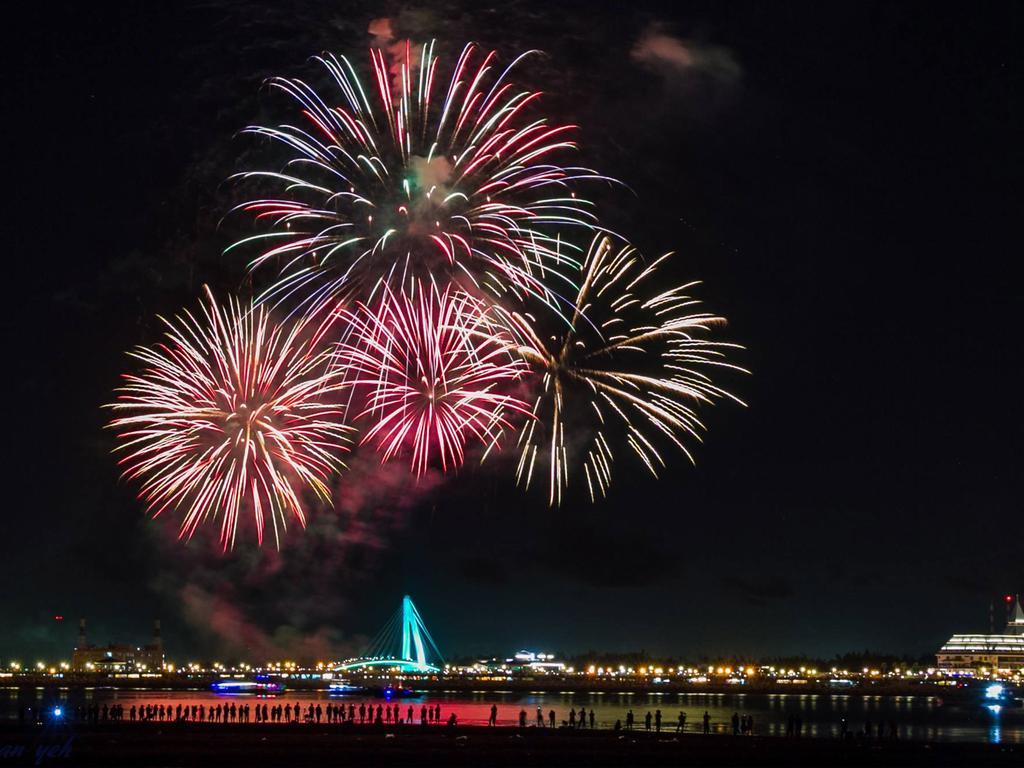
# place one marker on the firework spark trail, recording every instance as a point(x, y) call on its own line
point(415, 179)
point(431, 365)
point(639, 359)
point(232, 411)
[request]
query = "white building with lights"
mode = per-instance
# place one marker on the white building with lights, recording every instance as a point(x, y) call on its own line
point(1002, 653)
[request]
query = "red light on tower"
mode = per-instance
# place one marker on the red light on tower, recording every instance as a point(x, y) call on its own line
point(58, 617)
point(1008, 598)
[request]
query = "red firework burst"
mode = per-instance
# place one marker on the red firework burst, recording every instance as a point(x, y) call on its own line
point(430, 364)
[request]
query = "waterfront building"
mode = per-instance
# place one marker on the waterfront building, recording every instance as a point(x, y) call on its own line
point(118, 658)
point(531, 661)
point(1000, 653)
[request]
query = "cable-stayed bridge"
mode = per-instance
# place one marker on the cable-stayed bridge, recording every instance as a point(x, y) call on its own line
point(403, 644)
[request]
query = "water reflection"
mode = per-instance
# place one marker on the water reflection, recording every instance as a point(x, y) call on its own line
point(913, 717)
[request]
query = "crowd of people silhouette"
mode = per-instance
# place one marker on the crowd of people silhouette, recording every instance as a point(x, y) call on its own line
point(390, 713)
point(386, 713)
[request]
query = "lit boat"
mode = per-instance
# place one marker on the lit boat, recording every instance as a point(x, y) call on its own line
point(346, 689)
point(392, 692)
point(998, 696)
point(257, 686)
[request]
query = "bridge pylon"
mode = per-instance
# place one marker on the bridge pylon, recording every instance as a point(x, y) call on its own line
point(403, 644)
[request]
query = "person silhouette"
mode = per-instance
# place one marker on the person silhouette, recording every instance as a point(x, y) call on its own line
point(493, 719)
point(707, 722)
point(681, 723)
point(522, 718)
point(551, 717)
point(647, 721)
point(629, 720)
point(540, 717)
point(591, 719)
point(657, 721)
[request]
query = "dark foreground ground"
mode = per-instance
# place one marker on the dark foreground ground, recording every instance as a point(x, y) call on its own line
point(254, 746)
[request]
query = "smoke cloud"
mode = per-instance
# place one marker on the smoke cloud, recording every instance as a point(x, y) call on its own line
point(383, 34)
point(686, 60)
point(436, 172)
point(380, 30)
point(294, 602)
point(372, 496)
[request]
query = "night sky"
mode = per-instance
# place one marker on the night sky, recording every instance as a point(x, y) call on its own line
point(844, 178)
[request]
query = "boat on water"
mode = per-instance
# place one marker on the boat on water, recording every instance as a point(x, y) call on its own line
point(999, 696)
point(259, 685)
point(347, 689)
point(377, 692)
point(393, 692)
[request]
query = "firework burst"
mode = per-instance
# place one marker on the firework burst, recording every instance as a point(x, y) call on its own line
point(231, 413)
point(411, 180)
point(631, 357)
point(430, 365)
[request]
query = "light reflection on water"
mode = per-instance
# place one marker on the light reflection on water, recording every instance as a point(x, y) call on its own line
point(915, 717)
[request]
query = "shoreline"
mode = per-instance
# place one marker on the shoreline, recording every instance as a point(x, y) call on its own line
point(186, 745)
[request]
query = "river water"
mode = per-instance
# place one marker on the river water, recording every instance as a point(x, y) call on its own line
point(922, 718)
